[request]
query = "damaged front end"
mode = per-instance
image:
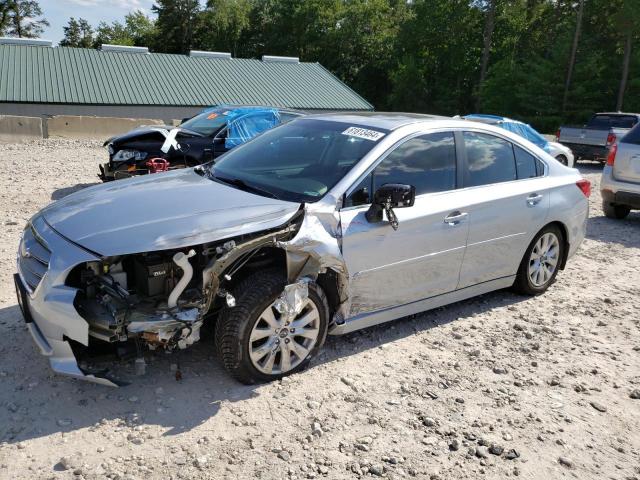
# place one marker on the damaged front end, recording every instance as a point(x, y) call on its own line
point(160, 300)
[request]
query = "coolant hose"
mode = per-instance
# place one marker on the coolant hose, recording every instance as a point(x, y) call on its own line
point(181, 260)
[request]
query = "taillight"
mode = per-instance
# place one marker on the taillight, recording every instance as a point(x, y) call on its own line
point(558, 135)
point(611, 158)
point(611, 139)
point(585, 186)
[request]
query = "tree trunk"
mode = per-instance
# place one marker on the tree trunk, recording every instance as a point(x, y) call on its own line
point(489, 24)
point(625, 70)
point(572, 58)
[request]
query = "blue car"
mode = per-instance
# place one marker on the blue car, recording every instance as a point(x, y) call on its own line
point(560, 152)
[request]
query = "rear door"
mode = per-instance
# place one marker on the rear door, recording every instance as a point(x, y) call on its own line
point(627, 164)
point(509, 201)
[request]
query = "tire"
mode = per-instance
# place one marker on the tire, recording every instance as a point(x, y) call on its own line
point(563, 160)
point(237, 348)
point(528, 282)
point(615, 211)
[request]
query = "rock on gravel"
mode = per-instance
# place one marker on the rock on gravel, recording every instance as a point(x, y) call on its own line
point(598, 406)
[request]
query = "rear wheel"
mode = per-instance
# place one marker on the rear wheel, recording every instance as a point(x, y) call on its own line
point(257, 343)
point(615, 211)
point(541, 262)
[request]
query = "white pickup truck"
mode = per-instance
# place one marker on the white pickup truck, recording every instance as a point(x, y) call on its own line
point(593, 140)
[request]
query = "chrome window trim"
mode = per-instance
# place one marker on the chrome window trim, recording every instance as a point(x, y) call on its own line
point(460, 129)
point(388, 152)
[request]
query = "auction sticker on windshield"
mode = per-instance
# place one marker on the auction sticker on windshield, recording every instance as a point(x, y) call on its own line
point(363, 133)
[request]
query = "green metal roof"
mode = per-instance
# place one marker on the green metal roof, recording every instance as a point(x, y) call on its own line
point(65, 75)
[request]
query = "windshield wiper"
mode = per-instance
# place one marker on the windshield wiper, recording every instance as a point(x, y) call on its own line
point(244, 185)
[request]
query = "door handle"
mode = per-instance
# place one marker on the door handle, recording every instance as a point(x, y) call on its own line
point(454, 218)
point(534, 199)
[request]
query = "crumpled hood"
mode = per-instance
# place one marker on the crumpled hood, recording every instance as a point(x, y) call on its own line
point(148, 132)
point(162, 211)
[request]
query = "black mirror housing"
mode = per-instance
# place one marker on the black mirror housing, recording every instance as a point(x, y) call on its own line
point(395, 195)
point(388, 197)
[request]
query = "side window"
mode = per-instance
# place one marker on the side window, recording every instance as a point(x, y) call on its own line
point(489, 160)
point(361, 195)
point(526, 164)
point(427, 162)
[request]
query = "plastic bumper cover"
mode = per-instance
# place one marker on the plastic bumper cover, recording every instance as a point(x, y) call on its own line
point(49, 312)
point(619, 193)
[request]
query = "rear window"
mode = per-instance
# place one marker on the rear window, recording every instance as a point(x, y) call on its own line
point(633, 136)
point(612, 121)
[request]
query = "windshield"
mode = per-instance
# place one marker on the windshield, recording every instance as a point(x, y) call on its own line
point(207, 123)
point(299, 161)
point(612, 121)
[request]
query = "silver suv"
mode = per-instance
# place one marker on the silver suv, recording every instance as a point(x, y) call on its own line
point(620, 184)
point(324, 225)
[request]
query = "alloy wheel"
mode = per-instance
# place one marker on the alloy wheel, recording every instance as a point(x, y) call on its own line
point(544, 259)
point(279, 343)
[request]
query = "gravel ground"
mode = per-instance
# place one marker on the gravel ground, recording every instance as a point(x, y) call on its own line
point(494, 387)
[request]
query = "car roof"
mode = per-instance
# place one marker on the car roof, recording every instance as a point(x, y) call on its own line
point(490, 119)
point(385, 120)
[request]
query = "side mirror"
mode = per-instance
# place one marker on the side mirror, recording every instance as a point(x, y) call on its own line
point(388, 197)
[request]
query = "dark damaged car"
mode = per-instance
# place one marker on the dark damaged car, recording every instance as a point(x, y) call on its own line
point(326, 225)
point(158, 148)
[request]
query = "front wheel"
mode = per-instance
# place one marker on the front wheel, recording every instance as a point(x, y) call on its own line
point(257, 343)
point(615, 211)
point(541, 262)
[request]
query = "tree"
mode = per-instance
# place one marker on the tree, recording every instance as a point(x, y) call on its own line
point(137, 30)
point(224, 23)
point(140, 28)
point(628, 21)
point(4, 17)
point(489, 25)
point(77, 33)
point(177, 21)
point(21, 17)
point(572, 57)
point(111, 34)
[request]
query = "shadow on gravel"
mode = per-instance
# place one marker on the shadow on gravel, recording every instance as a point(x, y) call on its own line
point(626, 232)
point(63, 192)
point(35, 403)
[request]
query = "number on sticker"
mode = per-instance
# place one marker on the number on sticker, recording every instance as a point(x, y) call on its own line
point(363, 133)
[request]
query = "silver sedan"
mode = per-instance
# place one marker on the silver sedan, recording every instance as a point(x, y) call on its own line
point(325, 225)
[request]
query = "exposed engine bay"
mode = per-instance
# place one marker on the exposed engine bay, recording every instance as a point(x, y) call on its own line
point(160, 299)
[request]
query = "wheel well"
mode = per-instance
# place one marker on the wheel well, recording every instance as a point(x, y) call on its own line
point(565, 239)
point(328, 281)
point(264, 258)
point(273, 257)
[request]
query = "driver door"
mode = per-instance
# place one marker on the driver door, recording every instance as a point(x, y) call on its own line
point(423, 257)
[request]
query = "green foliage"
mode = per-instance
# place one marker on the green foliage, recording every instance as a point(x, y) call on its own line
point(419, 55)
point(21, 18)
point(77, 33)
point(223, 24)
point(177, 22)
